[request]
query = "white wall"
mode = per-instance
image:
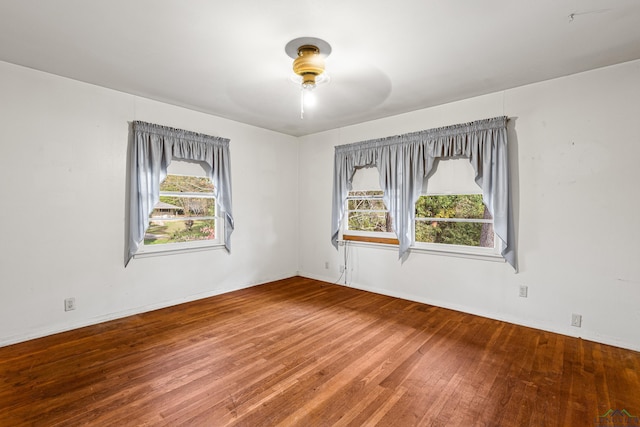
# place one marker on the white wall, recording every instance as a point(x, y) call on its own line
point(63, 172)
point(575, 148)
point(574, 145)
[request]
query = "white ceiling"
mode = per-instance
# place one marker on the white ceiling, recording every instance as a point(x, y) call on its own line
point(389, 57)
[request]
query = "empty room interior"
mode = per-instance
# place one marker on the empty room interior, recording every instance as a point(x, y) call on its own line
point(303, 213)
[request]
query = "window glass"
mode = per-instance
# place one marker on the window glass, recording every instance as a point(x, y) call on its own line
point(366, 212)
point(458, 219)
point(186, 212)
point(450, 217)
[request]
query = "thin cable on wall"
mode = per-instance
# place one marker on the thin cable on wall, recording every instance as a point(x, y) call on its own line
point(343, 273)
point(346, 262)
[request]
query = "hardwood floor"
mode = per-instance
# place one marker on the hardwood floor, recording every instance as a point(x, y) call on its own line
point(299, 352)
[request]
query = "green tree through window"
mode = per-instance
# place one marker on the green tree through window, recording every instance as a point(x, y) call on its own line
point(366, 212)
point(460, 219)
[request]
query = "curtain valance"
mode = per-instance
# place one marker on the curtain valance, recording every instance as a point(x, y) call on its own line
point(153, 149)
point(404, 161)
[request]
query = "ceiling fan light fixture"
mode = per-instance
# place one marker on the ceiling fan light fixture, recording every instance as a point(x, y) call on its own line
point(308, 55)
point(308, 65)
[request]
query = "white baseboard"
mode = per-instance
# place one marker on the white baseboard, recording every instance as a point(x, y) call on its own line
point(548, 327)
point(585, 334)
point(43, 332)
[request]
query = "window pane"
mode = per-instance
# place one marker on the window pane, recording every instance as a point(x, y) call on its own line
point(179, 207)
point(369, 221)
point(455, 233)
point(371, 215)
point(187, 184)
point(366, 204)
point(452, 206)
point(365, 193)
point(160, 231)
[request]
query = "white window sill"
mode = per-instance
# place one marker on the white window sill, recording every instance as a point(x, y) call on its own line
point(163, 250)
point(445, 250)
point(460, 252)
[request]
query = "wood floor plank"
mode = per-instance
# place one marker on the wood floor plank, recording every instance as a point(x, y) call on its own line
point(308, 353)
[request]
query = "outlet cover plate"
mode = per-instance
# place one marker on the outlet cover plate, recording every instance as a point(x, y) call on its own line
point(69, 304)
point(576, 320)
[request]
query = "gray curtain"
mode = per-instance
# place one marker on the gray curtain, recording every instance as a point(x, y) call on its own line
point(153, 148)
point(404, 161)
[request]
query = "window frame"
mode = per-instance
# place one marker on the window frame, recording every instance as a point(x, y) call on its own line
point(378, 238)
point(157, 249)
point(495, 251)
point(152, 150)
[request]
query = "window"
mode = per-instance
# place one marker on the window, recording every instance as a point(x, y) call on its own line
point(451, 216)
point(444, 221)
point(155, 151)
point(367, 218)
point(366, 212)
point(187, 216)
point(459, 219)
point(451, 223)
point(185, 213)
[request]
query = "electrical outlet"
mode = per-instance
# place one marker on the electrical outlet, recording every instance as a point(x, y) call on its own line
point(69, 304)
point(342, 269)
point(523, 291)
point(326, 265)
point(576, 320)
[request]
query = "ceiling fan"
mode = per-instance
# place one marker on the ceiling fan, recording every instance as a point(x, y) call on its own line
point(308, 54)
